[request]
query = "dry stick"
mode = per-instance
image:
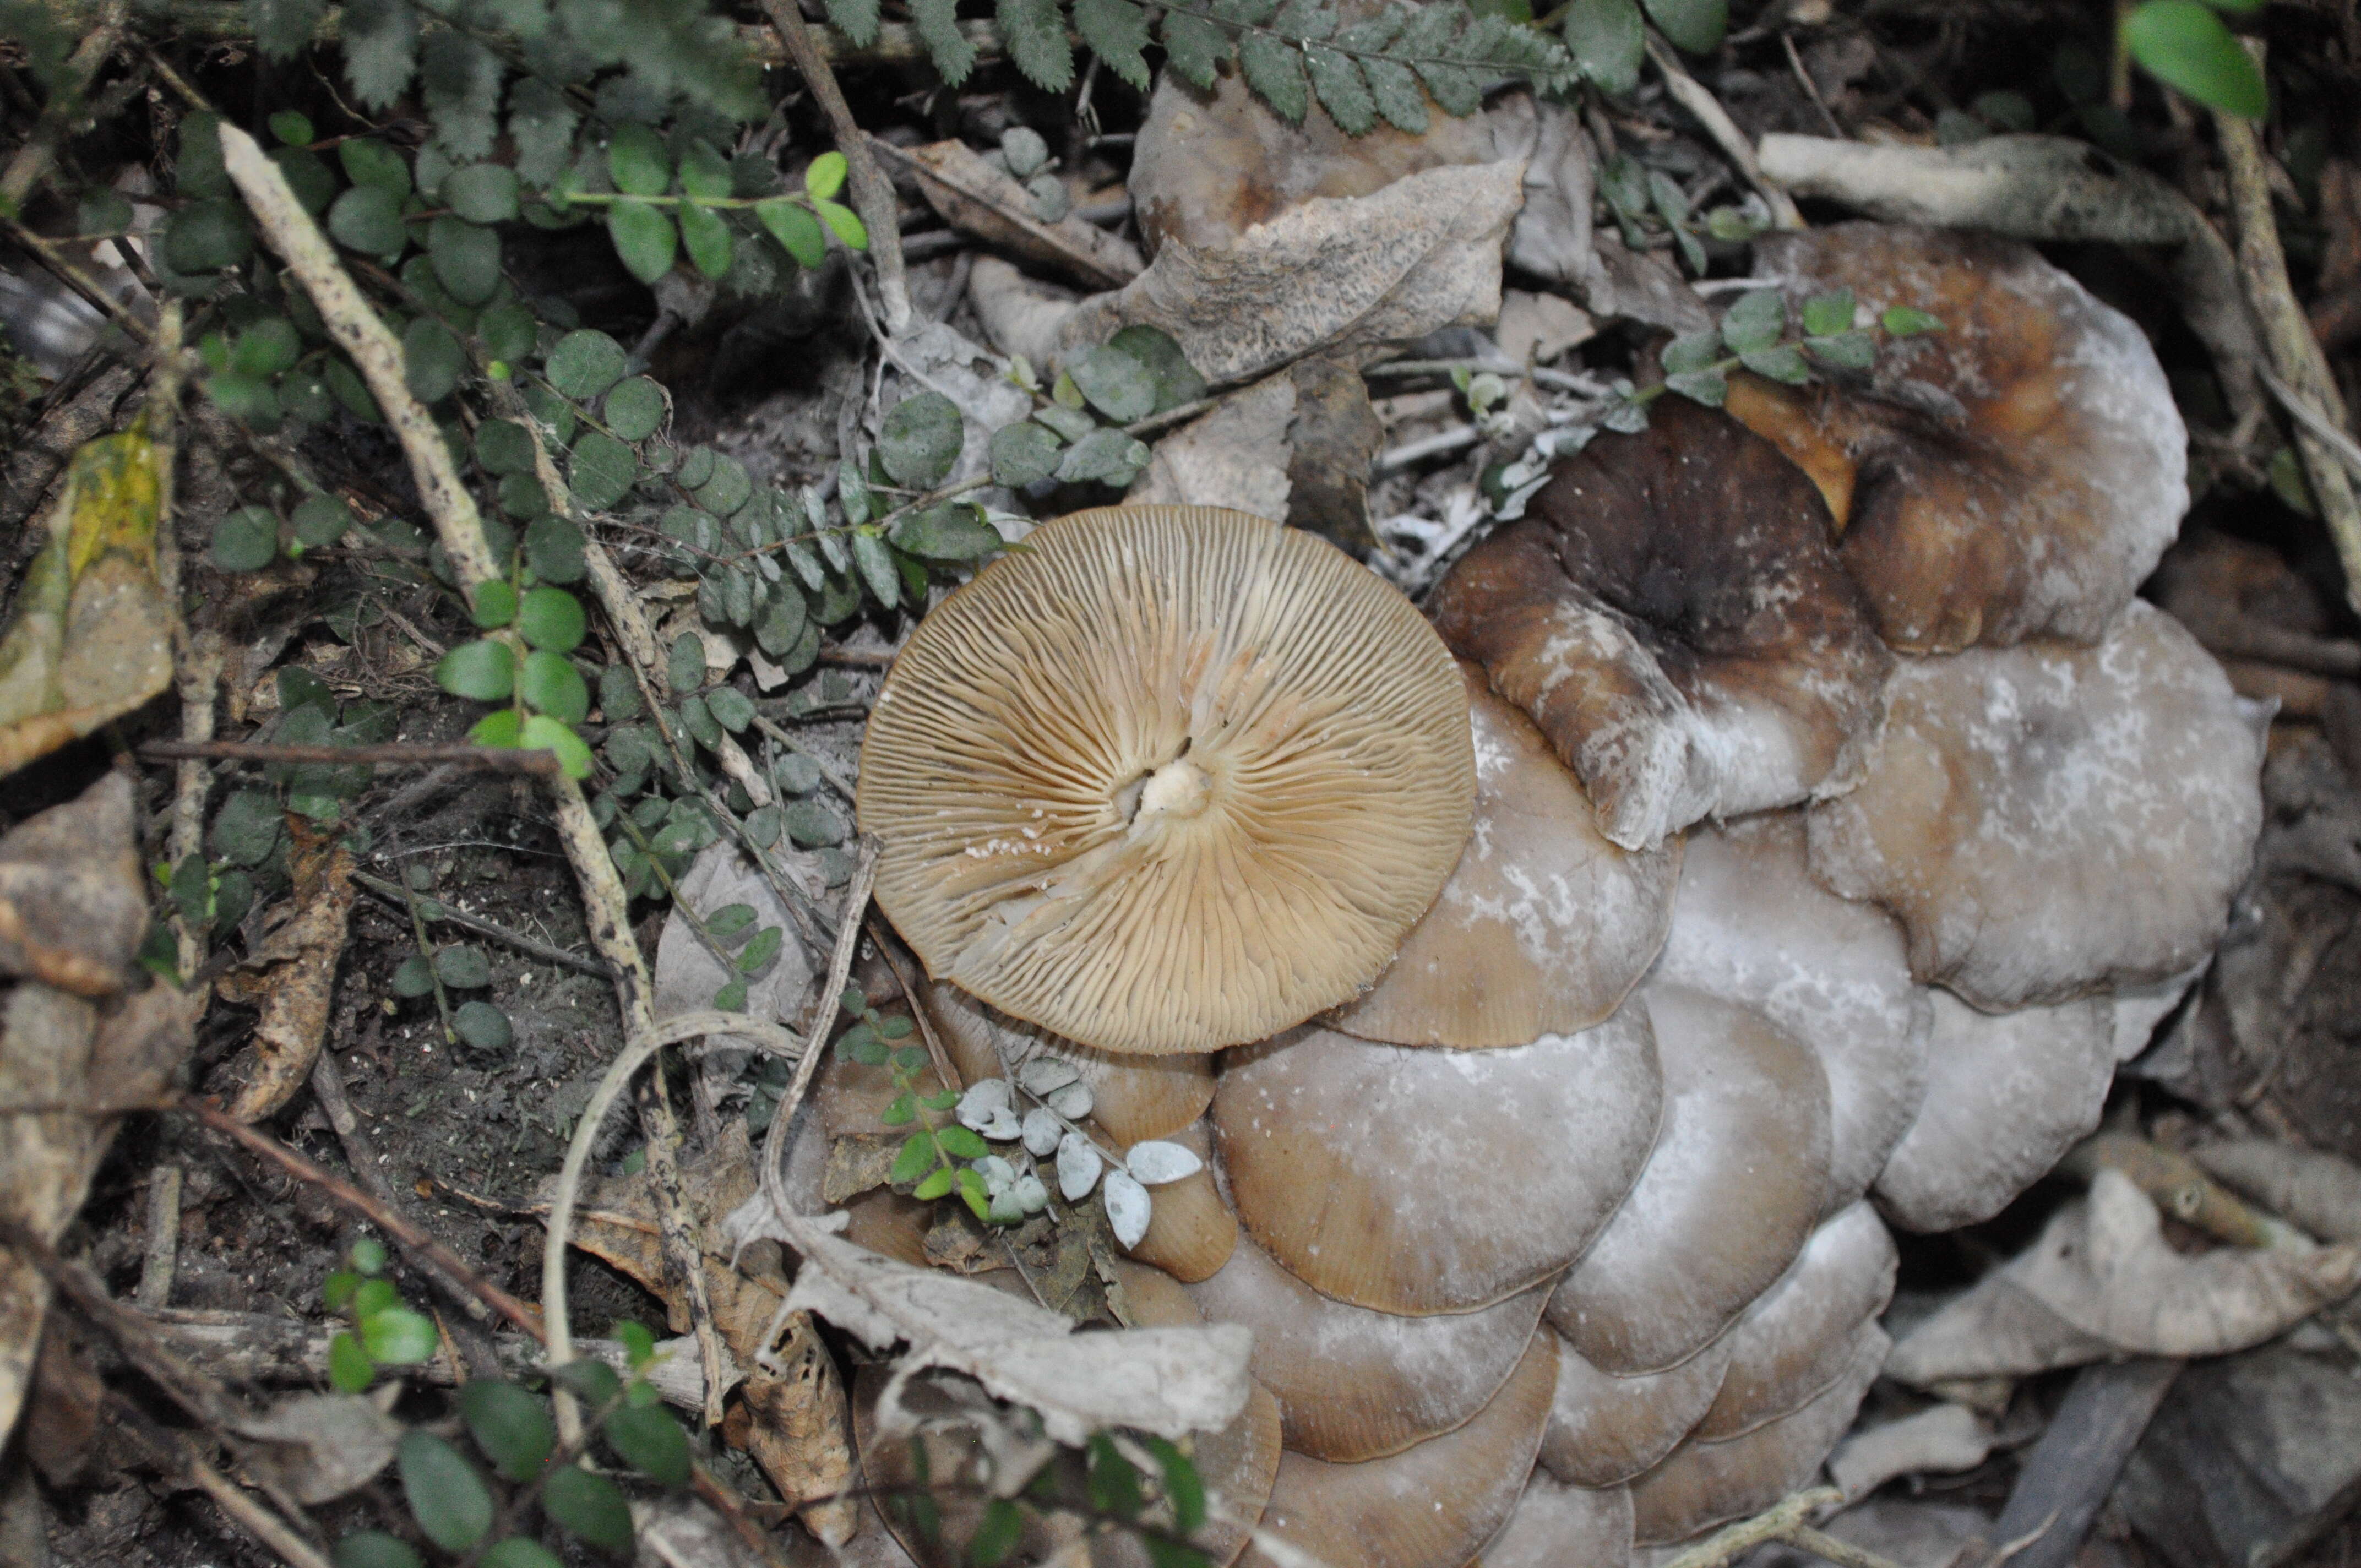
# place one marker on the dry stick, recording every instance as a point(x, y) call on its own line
point(1692, 94)
point(489, 759)
point(80, 281)
point(199, 677)
point(872, 192)
point(41, 149)
point(530, 946)
point(361, 335)
point(163, 1251)
point(265, 1526)
point(2286, 334)
point(824, 1010)
point(1783, 1521)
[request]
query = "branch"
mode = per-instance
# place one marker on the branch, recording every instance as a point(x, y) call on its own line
point(490, 758)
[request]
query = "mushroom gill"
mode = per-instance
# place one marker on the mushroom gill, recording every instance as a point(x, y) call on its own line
point(2012, 474)
point(1544, 926)
point(1671, 613)
point(1404, 1180)
point(1171, 778)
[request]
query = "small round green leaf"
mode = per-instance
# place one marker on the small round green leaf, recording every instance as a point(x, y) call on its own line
point(551, 685)
point(291, 126)
point(205, 236)
point(634, 409)
point(1117, 385)
point(645, 238)
point(1023, 454)
point(707, 239)
point(367, 218)
point(1902, 321)
point(637, 161)
point(400, 1337)
point(601, 470)
point(619, 695)
point(592, 1382)
point(553, 549)
point(825, 175)
point(246, 828)
point(511, 1428)
point(543, 733)
point(782, 619)
point(482, 1026)
point(685, 664)
point(432, 359)
point(464, 967)
point(266, 347)
point(650, 1441)
point(374, 1549)
point(350, 1370)
point(413, 977)
point(495, 606)
point(585, 364)
point(503, 726)
point(503, 446)
point(588, 1506)
point(484, 671)
point(319, 519)
point(370, 162)
point(2183, 44)
point(844, 222)
point(1608, 40)
point(482, 192)
point(507, 332)
point(1696, 25)
point(551, 618)
point(1755, 321)
point(798, 232)
point(921, 438)
point(466, 259)
point(516, 1551)
point(449, 1501)
point(246, 540)
point(730, 707)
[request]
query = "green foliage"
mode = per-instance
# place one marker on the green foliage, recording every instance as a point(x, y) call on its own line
point(2184, 44)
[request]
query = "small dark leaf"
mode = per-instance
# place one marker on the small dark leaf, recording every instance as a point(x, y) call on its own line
point(1274, 68)
point(1116, 32)
point(1609, 40)
point(1710, 387)
point(466, 259)
point(1115, 382)
point(367, 218)
point(380, 44)
point(553, 549)
point(414, 977)
point(205, 236)
point(482, 192)
point(1779, 363)
point(730, 707)
point(1755, 321)
point(432, 359)
point(463, 967)
point(953, 55)
point(319, 519)
point(644, 238)
point(592, 1382)
point(449, 1501)
point(685, 665)
point(601, 470)
point(512, 1427)
point(246, 540)
point(495, 606)
point(876, 568)
point(650, 1441)
point(707, 239)
point(588, 1506)
point(637, 160)
point(1022, 453)
point(634, 409)
point(1337, 79)
point(1113, 1482)
point(585, 364)
point(920, 441)
point(1696, 25)
point(1825, 315)
point(951, 532)
point(516, 1551)
point(1177, 381)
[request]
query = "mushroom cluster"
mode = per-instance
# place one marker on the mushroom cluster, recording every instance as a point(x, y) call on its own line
point(1779, 832)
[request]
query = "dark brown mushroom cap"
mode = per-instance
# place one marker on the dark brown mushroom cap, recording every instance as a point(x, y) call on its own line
point(1171, 778)
point(1353, 1383)
point(1672, 615)
point(1559, 1526)
point(2009, 1094)
point(1733, 1189)
point(1702, 1483)
point(1416, 1181)
point(2015, 475)
point(2048, 819)
point(1433, 1506)
point(1604, 1430)
point(1752, 927)
point(1133, 1097)
point(1798, 1339)
point(1544, 927)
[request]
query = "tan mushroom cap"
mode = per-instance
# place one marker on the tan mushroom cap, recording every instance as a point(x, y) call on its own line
point(2010, 1093)
point(1172, 778)
point(1133, 1097)
point(1544, 927)
point(1671, 612)
point(1433, 1506)
point(1703, 1484)
point(2047, 819)
point(1558, 1525)
point(1798, 1339)
point(1353, 1383)
point(2015, 475)
point(1604, 1430)
point(1733, 1189)
point(1416, 1181)
point(1750, 926)
point(1190, 1232)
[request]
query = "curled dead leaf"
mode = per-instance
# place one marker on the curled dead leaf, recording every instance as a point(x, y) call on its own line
point(971, 195)
point(292, 976)
point(72, 908)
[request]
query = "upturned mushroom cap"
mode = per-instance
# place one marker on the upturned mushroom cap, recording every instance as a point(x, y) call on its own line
point(1604, 1430)
point(1172, 778)
point(1798, 1339)
point(1353, 1383)
point(1672, 615)
point(1416, 1181)
point(2014, 475)
point(1134, 1098)
point(1734, 1187)
point(1433, 1506)
point(2008, 1094)
point(1558, 1525)
point(1544, 926)
point(1190, 1232)
point(1702, 1483)
point(2047, 819)
point(1750, 926)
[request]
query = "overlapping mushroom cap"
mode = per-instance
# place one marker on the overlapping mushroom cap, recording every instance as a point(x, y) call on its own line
point(1672, 615)
point(1172, 778)
point(2047, 819)
point(2012, 474)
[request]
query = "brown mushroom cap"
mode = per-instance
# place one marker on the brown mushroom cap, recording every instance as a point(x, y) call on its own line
point(2047, 819)
point(1172, 778)
point(1702, 1483)
point(1190, 1232)
point(2010, 1093)
point(1752, 926)
point(1735, 1185)
point(1544, 926)
point(1416, 1181)
point(1133, 1097)
point(1604, 1430)
point(1353, 1383)
point(2015, 475)
point(1798, 1339)
point(1558, 1525)
point(1672, 615)
point(1431, 1505)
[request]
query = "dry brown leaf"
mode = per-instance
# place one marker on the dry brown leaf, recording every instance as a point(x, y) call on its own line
point(292, 976)
point(321, 1446)
point(1235, 457)
point(794, 1423)
point(72, 908)
point(973, 196)
point(2102, 1281)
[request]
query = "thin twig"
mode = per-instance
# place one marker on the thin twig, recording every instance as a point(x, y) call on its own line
point(1692, 94)
point(532, 947)
point(1459, 438)
point(1734, 1541)
point(873, 194)
point(1811, 88)
point(2286, 334)
point(486, 759)
point(80, 281)
point(50, 132)
point(825, 1008)
point(177, 1452)
point(163, 1250)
